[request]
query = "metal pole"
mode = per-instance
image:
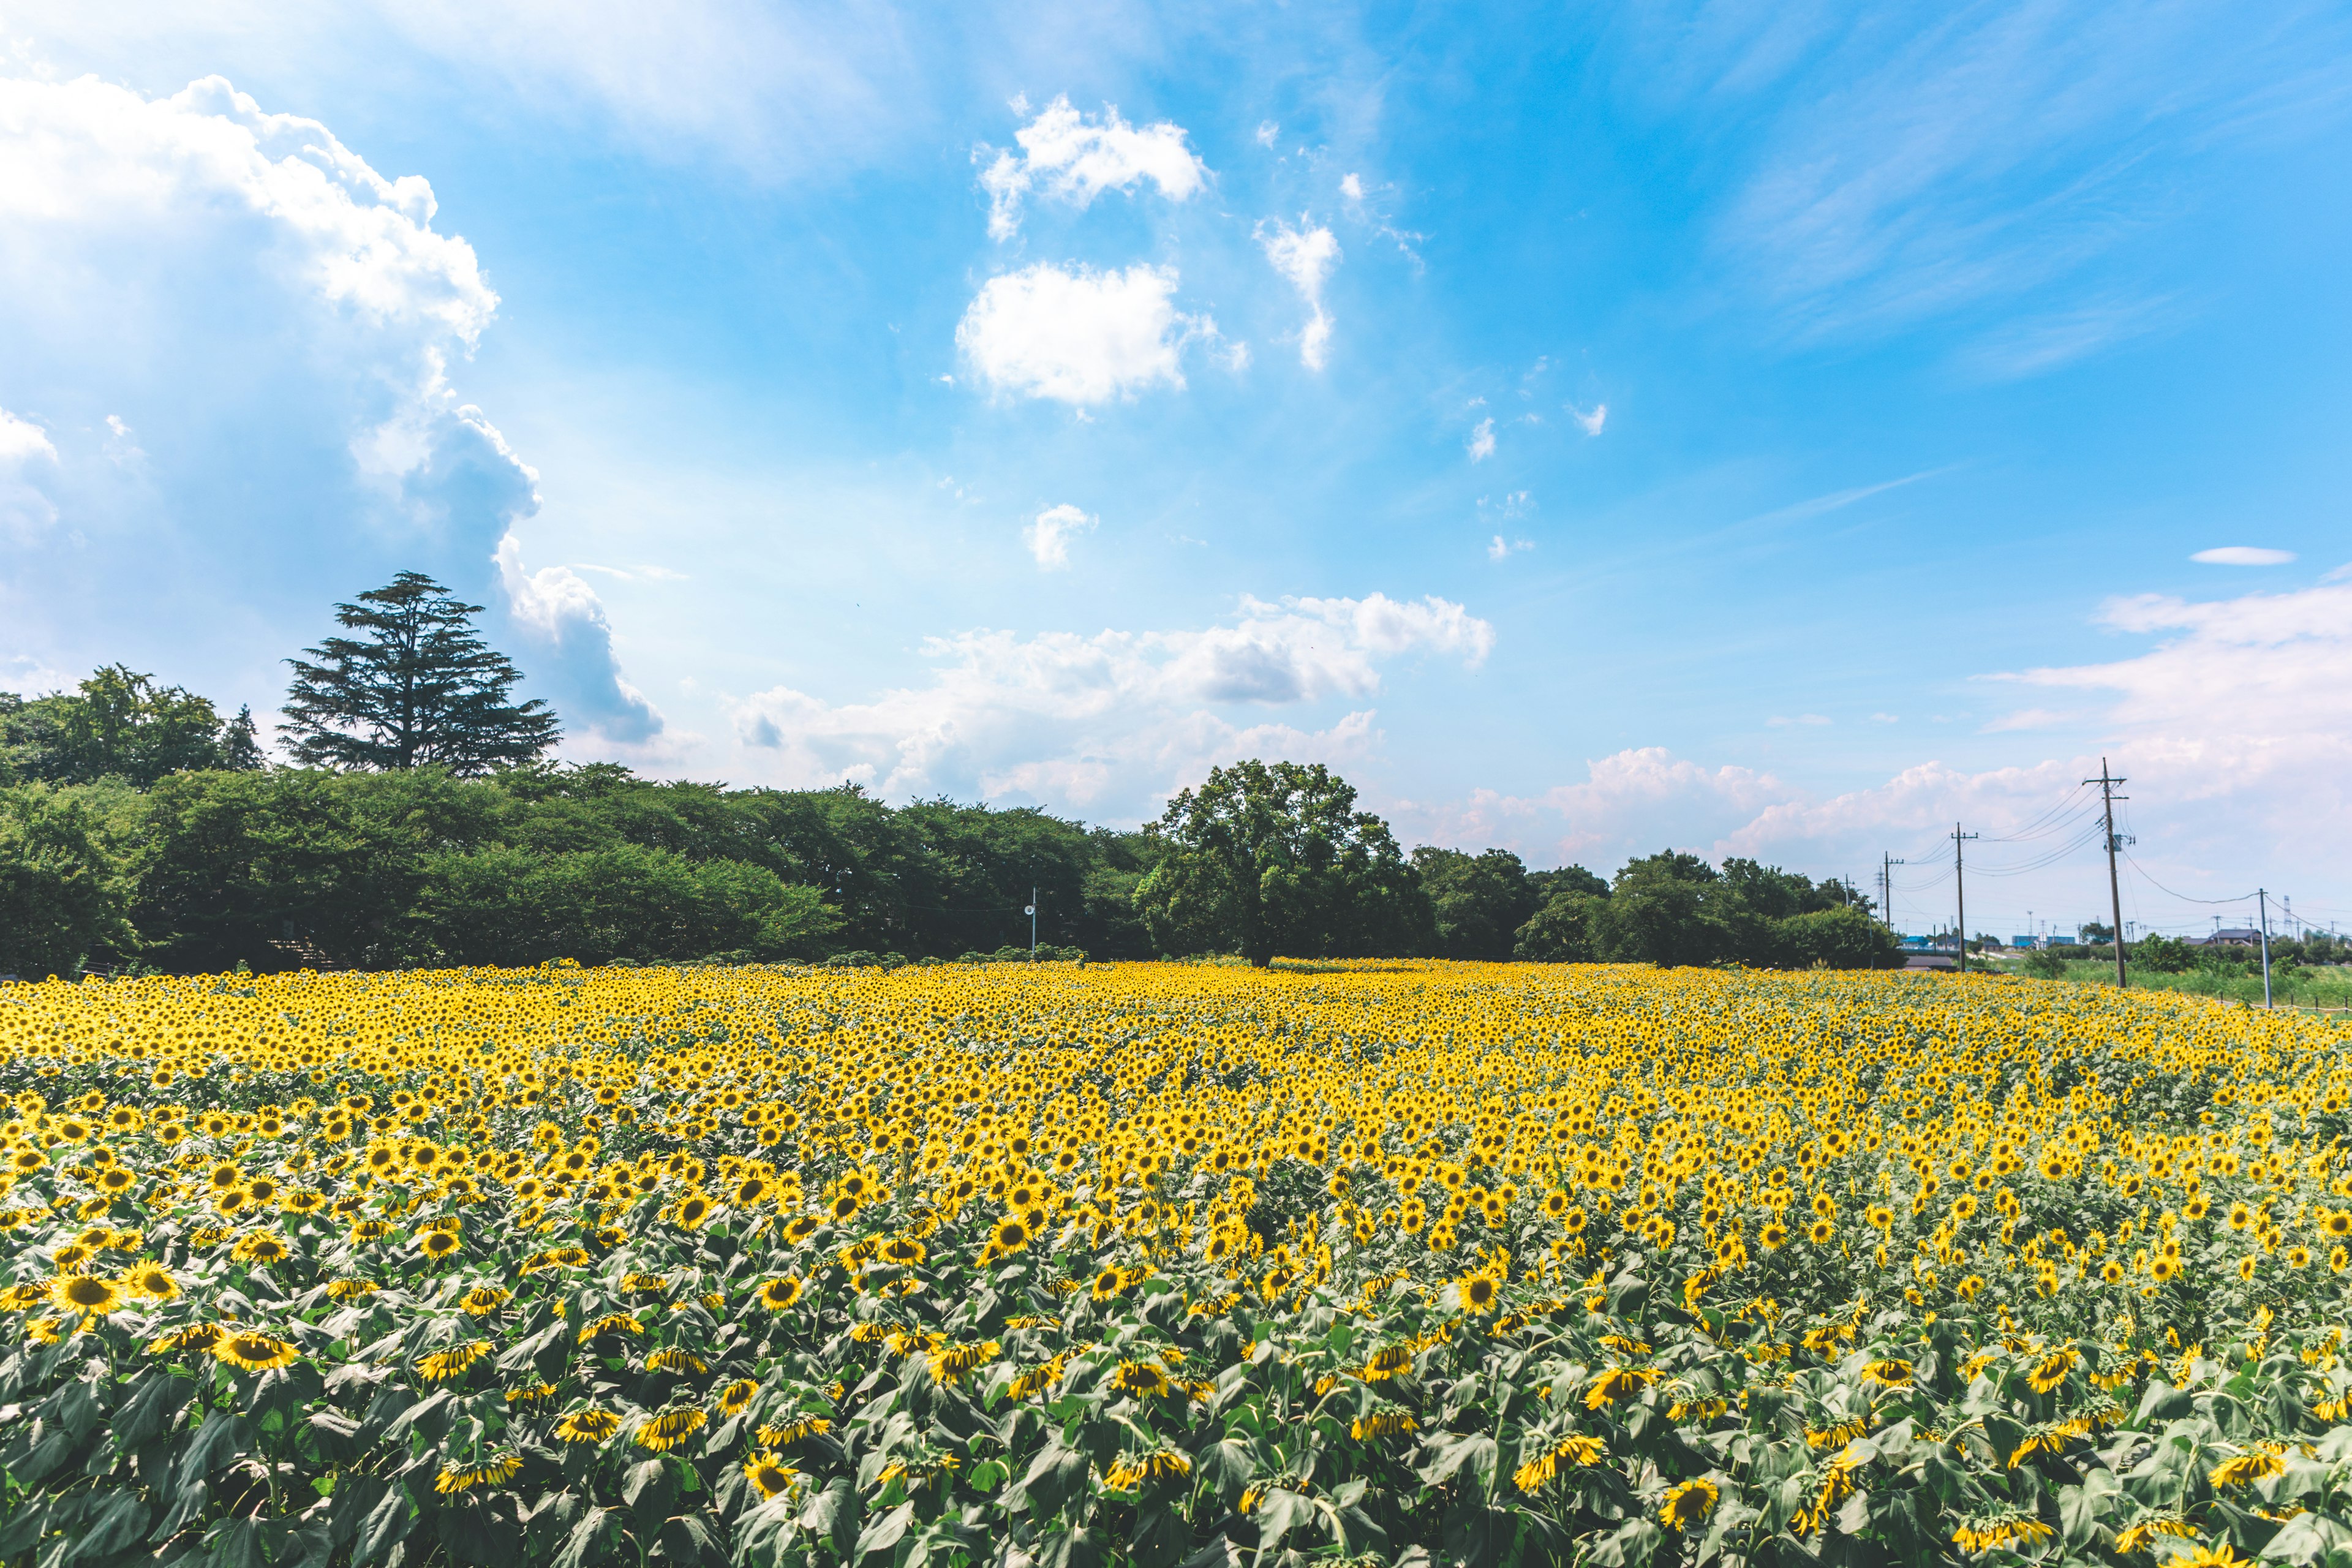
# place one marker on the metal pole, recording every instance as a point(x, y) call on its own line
point(2261, 900)
point(1959, 889)
point(2115, 889)
point(1032, 923)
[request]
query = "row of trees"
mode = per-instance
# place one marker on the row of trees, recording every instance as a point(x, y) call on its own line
point(281, 867)
point(423, 826)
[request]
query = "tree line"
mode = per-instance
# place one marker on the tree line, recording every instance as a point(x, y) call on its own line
point(422, 823)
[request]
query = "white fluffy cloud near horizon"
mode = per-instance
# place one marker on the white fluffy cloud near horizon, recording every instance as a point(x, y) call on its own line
point(1111, 719)
point(278, 323)
point(2234, 730)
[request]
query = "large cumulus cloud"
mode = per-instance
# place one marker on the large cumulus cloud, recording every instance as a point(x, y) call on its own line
point(235, 341)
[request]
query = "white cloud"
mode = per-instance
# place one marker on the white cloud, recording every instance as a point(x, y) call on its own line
point(1304, 256)
point(21, 440)
point(576, 647)
point(2234, 733)
point(1266, 131)
point(1114, 716)
point(26, 451)
point(1049, 537)
point(1080, 337)
point(2243, 555)
point(1351, 187)
point(1501, 549)
point(1066, 155)
point(153, 241)
point(1592, 422)
point(1482, 441)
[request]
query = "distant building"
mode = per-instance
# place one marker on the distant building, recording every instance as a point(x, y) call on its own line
point(2023, 942)
point(2232, 936)
point(1943, 941)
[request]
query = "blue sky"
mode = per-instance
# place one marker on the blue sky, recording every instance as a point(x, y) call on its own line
point(1758, 428)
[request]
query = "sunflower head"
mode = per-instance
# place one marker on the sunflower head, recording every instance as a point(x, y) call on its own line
point(88, 1294)
point(778, 1294)
point(253, 1352)
point(769, 1473)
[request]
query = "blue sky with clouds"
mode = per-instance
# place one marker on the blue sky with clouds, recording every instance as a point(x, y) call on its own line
point(1778, 430)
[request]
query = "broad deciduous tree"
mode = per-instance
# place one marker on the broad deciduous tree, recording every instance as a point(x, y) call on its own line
point(1273, 858)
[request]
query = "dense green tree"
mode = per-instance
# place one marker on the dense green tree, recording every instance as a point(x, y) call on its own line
point(1671, 908)
point(61, 899)
point(116, 724)
point(1774, 894)
point(1843, 937)
point(508, 906)
point(1478, 902)
point(1570, 928)
point(1273, 858)
point(232, 864)
point(417, 689)
point(1567, 878)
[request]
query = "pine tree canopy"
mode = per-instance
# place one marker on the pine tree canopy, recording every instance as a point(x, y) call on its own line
point(417, 687)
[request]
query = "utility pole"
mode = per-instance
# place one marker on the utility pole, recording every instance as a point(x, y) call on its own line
point(1887, 863)
point(1960, 890)
point(1032, 912)
point(2114, 890)
point(2262, 903)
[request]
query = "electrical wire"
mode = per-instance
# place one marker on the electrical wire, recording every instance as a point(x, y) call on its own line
point(2184, 897)
point(2056, 819)
point(2049, 857)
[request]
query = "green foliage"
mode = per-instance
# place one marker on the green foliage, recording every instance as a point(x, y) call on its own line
point(418, 689)
point(1267, 858)
point(60, 898)
point(2044, 964)
point(1478, 902)
point(503, 905)
point(1567, 930)
point(2164, 954)
point(119, 724)
point(1672, 909)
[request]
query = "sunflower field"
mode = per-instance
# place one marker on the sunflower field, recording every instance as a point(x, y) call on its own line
point(1049, 1266)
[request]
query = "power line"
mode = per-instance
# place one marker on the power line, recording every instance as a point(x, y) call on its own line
point(2184, 897)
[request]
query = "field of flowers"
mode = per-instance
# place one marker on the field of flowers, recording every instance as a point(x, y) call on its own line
point(1162, 1265)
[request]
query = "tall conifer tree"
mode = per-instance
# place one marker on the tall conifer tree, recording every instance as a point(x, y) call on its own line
point(418, 688)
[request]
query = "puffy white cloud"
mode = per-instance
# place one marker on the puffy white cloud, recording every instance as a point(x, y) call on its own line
point(21, 440)
point(25, 456)
point(1079, 336)
point(576, 643)
point(1115, 717)
point(1481, 445)
point(1304, 256)
point(1501, 549)
point(2243, 555)
point(1048, 535)
point(1591, 422)
point(1266, 131)
point(1352, 187)
point(1068, 156)
point(278, 320)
